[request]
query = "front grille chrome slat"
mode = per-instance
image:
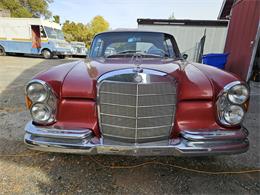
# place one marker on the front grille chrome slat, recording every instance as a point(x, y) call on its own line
point(137, 112)
point(137, 94)
point(104, 124)
point(160, 105)
point(142, 117)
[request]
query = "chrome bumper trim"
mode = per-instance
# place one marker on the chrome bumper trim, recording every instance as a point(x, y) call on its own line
point(215, 135)
point(174, 147)
point(30, 128)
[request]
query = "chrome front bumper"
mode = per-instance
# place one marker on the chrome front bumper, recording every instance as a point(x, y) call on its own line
point(189, 143)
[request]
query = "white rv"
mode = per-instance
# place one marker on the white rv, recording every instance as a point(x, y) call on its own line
point(32, 36)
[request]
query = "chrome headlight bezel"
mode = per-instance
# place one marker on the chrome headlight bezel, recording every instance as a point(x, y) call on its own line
point(48, 116)
point(235, 120)
point(44, 86)
point(233, 96)
point(49, 102)
point(224, 104)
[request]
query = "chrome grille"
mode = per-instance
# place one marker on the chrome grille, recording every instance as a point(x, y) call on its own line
point(137, 112)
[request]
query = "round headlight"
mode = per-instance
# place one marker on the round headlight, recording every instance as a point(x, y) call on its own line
point(234, 114)
point(37, 92)
point(238, 94)
point(40, 113)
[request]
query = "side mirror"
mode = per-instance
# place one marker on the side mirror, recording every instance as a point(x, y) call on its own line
point(185, 56)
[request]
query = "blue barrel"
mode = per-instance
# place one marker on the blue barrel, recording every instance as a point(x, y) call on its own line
point(215, 59)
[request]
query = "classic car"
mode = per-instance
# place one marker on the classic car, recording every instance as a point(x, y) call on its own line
point(144, 99)
point(78, 49)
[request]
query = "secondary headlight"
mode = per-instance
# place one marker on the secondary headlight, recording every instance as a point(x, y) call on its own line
point(40, 113)
point(231, 103)
point(37, 92)
point(233, 114)
point(238, 94)
point(42, 102)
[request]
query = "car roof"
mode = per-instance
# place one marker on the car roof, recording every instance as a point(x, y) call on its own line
point(123, 30)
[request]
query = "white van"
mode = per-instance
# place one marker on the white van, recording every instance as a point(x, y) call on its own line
point(32, 36)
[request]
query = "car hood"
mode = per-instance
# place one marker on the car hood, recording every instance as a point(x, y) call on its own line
point(79, 79)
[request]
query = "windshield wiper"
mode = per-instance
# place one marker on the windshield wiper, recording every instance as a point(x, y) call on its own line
point(133, 52)
point(145, 55)
point(128, 51)
point(123, 53)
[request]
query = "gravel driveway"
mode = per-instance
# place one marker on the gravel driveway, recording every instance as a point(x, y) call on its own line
point(49, 173)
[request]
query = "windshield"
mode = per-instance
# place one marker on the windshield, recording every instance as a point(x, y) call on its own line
point(127, 44)
point(53, 33)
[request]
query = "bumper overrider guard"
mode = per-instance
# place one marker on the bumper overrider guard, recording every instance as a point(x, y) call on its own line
point(189, 143)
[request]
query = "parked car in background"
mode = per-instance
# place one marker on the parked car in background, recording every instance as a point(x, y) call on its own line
point(78, 49)
point(142, 99)
point(32, 36)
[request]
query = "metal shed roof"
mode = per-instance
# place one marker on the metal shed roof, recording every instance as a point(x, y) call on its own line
point(182, 22)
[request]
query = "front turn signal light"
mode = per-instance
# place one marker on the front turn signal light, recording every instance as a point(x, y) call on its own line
point(28, 102)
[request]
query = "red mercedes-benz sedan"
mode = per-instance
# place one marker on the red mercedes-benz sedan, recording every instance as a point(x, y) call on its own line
point(136, 95)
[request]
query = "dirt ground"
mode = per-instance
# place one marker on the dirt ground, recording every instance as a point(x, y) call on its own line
point(50, 173)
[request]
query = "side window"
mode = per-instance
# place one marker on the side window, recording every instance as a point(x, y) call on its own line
point(98, 48)
point(43, 34)
point(169, 47)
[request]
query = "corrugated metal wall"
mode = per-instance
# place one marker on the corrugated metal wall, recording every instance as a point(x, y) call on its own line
point(187, 37)
point(242, 31)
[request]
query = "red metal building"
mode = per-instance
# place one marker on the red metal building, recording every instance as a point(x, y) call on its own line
point(243, 35)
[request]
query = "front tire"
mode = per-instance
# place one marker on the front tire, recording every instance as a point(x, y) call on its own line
point(47, 54)
point(2, 51)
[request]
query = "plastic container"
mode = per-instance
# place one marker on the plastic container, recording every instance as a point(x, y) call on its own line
point(215, 59)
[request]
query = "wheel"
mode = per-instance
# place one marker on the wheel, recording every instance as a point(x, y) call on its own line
point(61, 56)
point(2, 51)
point(47, 54)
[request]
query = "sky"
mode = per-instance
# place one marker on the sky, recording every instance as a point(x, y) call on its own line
point(124, 13)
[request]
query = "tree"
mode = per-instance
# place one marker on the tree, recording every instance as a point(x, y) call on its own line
point(27, 8)
point(98, 24)
point(75, 31)
point(56, 19)
point(84, 33)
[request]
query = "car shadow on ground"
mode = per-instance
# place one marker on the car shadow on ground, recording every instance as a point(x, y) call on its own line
point(21, 55)
point(40, 56)
point(65, 173)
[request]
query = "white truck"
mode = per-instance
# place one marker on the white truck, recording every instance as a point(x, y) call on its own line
point(32, 36)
